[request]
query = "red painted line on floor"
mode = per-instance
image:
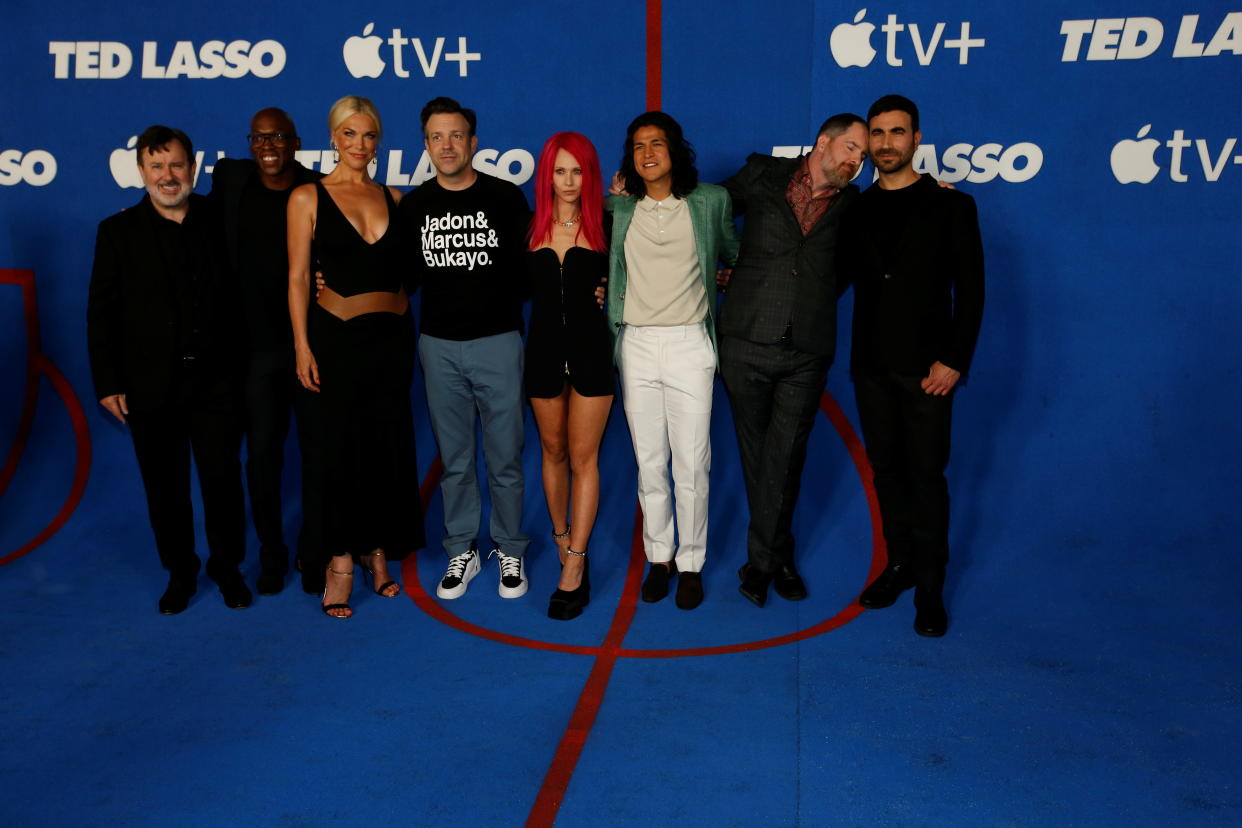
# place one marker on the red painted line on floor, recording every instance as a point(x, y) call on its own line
point(879, 557)
point(565, 760)
point(858, 454)
point(654, 54)
point(37, 364)
point(24, 279)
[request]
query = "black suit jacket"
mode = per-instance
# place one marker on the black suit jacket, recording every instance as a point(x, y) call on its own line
point(138, 319)
point(781, 276)
point(229, 179)
point(926, 306)
point(263, 299)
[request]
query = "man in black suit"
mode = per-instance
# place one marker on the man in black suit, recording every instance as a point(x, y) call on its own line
point(252, 195)
point(163, 358)
point(916, 260)
point(778, 332)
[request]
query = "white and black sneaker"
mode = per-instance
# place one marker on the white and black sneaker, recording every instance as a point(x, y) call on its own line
point(461, 569)
point(513, 581)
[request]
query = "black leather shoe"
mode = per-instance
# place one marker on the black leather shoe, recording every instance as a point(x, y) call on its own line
point(787, 583)
point(754, 584)
point(235, 592)
point(930, 617)
point(883, 591)
point(177, 597)
point(689, 590)
point(655, 588)
point(271, 581)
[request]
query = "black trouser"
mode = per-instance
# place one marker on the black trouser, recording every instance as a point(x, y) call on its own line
point(907, 434)
point(774, 391)
point(205, 419)
point(272, 391)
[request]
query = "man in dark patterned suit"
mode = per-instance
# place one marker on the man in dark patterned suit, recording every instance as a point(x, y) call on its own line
point(778, 332)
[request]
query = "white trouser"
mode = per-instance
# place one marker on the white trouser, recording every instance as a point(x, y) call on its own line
point(667, 377)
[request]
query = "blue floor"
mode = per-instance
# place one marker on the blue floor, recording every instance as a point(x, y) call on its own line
point(1081, 683)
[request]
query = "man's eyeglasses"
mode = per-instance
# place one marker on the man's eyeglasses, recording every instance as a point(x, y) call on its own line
point(278, 139)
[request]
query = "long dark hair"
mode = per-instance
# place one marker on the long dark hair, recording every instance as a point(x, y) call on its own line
point(685, 175)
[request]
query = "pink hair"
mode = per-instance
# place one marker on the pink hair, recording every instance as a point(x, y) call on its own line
point(591, 198)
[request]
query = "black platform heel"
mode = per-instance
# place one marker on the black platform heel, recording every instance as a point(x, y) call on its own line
point(565, 605)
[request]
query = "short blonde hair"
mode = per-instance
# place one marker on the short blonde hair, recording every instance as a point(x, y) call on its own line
point(354, 105)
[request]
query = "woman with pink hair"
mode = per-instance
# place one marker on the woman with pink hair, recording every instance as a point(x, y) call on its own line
point(569, 375)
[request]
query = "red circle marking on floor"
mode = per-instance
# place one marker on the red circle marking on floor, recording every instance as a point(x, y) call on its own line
point(438, 611)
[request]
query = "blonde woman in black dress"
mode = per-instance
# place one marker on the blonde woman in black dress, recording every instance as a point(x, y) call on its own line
point(355, 346)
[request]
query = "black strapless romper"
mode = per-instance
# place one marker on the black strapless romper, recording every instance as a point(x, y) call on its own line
point(568, 339)
point(371, 486)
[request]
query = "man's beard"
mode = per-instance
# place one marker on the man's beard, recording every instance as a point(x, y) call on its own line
point(839, 178)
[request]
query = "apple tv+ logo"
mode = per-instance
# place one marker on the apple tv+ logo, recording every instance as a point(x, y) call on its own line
point(363, 60)
point(850, 43)
point(1133, 161)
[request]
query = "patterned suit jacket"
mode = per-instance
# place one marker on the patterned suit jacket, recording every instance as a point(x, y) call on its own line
point(782, 278)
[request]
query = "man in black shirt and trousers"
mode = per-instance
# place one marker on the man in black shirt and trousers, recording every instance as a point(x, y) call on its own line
point(251, 195)
point(916, 260)
point(778, 331)
point(161, 333)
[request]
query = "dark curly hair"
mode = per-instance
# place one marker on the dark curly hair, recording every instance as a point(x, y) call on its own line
point(685, 175)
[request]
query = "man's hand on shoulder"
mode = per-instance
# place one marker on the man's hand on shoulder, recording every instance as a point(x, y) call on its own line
point(116, 405)
point(617, 185)
point(940, 380)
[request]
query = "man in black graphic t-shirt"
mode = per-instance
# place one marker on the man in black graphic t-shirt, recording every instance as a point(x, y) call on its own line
point(469, 230)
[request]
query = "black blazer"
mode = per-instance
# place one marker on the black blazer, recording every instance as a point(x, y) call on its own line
point(229, 179)
point(136, 325)
point(782, 276)
point(264, 300)
point(928, 305)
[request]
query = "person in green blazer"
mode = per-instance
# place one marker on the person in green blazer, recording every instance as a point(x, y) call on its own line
point(668, 234)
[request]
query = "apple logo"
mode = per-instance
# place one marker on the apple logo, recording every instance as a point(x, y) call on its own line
point(124, 165)
point(851, 43)
point(362, 54)
point(1134, 161)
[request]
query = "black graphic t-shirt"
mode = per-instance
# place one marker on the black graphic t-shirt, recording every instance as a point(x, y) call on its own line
point(466, 248)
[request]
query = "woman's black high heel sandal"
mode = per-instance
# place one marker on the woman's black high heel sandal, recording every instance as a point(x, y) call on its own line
point(368, 562)
point(566, 604)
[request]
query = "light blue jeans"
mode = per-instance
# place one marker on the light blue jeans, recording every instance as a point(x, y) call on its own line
point(468, 381)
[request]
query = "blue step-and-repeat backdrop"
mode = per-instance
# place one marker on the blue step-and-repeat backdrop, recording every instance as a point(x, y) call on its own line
point(1100, 140)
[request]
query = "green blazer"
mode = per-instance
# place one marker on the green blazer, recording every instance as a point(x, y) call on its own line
point(711, 215)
